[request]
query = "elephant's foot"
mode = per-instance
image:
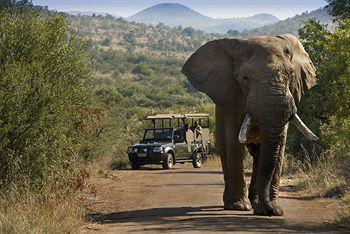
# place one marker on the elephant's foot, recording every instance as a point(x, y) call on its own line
point(268, 209)
point(253, 201)
point(242, 205)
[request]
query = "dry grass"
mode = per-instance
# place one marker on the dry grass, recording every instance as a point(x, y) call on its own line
point(28, 213)
point(344, 212)
point(325, 178)
point(212, 161)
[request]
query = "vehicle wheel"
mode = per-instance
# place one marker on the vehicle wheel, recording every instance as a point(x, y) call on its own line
point(168, 163)
point(135, 166)
point(197, 160)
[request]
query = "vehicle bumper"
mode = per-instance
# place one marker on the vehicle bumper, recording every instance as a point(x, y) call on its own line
point(154, 158)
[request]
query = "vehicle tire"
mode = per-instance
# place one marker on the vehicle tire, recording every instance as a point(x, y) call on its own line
point(135, 166)
point(197, 160)
point(169, 162)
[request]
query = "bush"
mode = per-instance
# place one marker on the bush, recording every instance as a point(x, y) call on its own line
point(142, 70)
point(43, 80)
point(327, 108)
point(106, 42)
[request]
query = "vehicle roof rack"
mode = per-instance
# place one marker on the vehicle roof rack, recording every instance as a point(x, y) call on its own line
point(177, 116)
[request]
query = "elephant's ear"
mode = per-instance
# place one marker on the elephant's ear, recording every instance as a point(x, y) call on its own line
point(211, 69)
point(305, 76)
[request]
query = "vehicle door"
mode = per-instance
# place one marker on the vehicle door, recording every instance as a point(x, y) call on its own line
point(180, 146)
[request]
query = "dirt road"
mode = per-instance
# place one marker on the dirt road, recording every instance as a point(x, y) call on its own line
point(190, 200)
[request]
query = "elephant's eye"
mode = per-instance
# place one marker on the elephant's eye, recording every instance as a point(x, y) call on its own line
point(245, 80)
point(288, 53)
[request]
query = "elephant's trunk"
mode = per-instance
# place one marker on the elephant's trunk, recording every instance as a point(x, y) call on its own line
point(271, 141)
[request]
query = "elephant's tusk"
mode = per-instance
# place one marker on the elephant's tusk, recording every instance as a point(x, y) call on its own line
point(303, 128)
point(242, 137)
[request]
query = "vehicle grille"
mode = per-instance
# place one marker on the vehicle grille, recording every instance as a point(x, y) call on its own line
point(142, 152)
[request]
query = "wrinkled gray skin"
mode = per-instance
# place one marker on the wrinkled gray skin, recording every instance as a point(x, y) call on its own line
point(264, 76)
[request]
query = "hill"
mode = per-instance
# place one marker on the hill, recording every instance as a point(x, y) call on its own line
point(171, 14)
point(291, 25)
point(240, 24)
point(174, 14)
point(140, 64)
point(118, 34)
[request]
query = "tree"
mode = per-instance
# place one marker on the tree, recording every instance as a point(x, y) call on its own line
point(326, 107)
point(189, 31)
point(233, 33)
point(44, 75)
point(339, 9)
point(160, 25)
point(15, 4)
point(106, 42)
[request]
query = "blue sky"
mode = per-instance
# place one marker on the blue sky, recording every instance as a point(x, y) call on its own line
point(214, 8)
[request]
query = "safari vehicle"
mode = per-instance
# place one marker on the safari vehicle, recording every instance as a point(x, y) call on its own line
point(173, 138)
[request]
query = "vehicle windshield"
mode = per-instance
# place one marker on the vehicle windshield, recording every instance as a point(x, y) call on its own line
point(160, 134)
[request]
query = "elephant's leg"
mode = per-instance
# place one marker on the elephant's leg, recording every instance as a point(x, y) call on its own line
point(231, 154)
point(254, 150)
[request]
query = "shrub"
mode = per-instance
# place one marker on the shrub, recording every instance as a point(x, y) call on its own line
point(106, 42)
point(43, 80)
point(142, 70)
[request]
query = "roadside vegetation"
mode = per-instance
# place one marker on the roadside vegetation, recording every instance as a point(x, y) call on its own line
point(68, 110)
point(44, 86)
point(322, 169)
point(74, 91)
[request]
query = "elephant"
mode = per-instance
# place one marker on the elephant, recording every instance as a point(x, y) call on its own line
point(256, 85)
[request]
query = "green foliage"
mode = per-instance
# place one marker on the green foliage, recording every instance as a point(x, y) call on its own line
point(339, 9)
point(188, 31)
point(14, 4)
point(147, 81)
point(106, 42)
point(43, 85)
point(130, 85)
point(136, 36)
point(142, 70)
point(291, 25)
point(233, 33)
point(327, 108)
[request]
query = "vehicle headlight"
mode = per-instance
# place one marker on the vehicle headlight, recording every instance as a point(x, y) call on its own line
point(158, 149)
point(129, 150)
point(132, 150)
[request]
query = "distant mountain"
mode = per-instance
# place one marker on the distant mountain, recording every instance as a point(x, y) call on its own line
point(240, 24)
point(174, 14)
point(89, 13)
point(291, 25)
point(171, 14)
